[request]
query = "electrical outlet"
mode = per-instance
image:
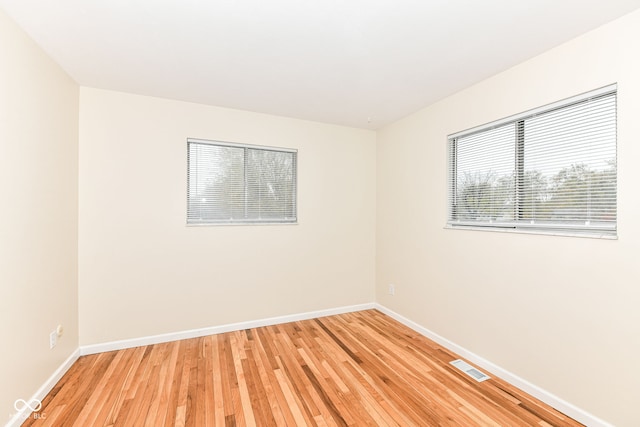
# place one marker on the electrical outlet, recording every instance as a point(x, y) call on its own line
point(392, 289)
point(53, 339)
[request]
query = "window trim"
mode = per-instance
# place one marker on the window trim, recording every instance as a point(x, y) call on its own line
point(239, 145)
point(517, 226)
point(536, 111)
point(270, 221)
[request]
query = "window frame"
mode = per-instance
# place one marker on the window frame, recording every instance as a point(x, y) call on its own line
point(518, 225)
point(244, 221)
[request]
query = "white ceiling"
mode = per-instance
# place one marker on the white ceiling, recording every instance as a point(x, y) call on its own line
point(362, 63)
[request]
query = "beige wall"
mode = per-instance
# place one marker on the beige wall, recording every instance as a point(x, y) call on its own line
point(561, 312)
point(142, 271)
point(38, 218)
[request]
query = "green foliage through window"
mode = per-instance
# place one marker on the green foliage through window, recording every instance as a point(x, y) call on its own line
point(232, 183)
point(553, 169)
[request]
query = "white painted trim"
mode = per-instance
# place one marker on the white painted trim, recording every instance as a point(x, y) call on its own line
point(550, 399)
point(524, 385)
point(42, 392)
point(536, 111)
point(195, 333)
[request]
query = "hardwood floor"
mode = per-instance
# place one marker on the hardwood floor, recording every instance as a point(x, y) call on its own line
point(357, 369)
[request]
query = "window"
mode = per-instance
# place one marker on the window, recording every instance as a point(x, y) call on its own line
point(552, 169)
point(232, 183)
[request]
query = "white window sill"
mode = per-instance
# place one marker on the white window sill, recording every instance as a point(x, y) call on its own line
point(563, 233)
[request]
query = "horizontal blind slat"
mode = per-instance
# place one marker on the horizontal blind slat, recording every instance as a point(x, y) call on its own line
point(565, 172)
point(230, 183)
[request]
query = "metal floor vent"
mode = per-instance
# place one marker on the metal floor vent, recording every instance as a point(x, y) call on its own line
point(470, 370)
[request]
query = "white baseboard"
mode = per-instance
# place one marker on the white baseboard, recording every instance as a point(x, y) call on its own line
point(195, 333)
point(22, 415)
point(42, 392)
point(535, 391)
point(550, 399)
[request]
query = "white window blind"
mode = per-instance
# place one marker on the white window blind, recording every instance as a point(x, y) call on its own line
point(234, 183)
point(550, 169)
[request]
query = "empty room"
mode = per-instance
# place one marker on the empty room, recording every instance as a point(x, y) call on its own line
point(319, 213)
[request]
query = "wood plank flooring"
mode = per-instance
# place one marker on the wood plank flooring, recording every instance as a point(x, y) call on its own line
point(356, 369)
